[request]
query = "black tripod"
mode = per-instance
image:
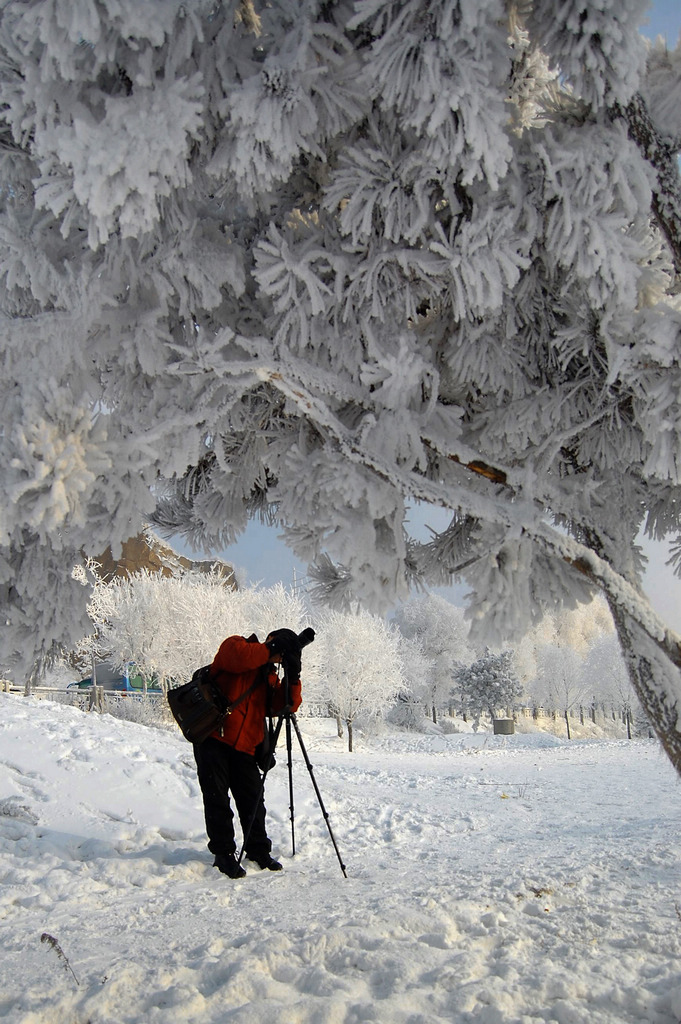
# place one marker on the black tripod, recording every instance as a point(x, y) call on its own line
point(288, 718)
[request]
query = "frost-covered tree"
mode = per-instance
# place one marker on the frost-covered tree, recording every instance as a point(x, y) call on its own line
point(441, 631)
point(605, 667)
point(169, 626)
point(361, 670)
point(488, 685)
point(577, 629)
point(311, 260)
point(562, 683)
point(417, 667)
point(607, 672)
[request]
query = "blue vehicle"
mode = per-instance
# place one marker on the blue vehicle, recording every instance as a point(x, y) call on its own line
point(123, 681)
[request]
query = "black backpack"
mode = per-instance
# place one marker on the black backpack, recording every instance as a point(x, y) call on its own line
point(199, 707)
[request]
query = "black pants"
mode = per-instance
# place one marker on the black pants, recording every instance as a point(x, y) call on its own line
point(221, 768)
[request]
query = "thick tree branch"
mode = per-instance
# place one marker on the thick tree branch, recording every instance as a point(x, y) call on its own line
point(581, 557)
point(619, 592)
point(666, 203)
point(638, 626)
point(497, 476)
point(645, 673)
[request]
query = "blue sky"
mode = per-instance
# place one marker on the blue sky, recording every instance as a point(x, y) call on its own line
point(260, 556)
point(664, 19)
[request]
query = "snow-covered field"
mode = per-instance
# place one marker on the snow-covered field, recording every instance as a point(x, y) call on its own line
point(490, 879)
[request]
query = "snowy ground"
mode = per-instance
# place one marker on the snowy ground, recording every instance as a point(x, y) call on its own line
point(490, 879)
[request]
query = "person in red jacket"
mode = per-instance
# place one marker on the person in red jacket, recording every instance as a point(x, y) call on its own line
point(242, 668)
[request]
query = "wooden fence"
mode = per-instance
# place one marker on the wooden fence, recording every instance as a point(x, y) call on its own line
point(600, 714)
point(152, 708)
point(146, 708)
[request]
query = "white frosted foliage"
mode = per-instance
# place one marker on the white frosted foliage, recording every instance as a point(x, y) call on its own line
point(120, 168)
point(170, 626)
point(441, 633)
point(57, 455)
point(361, 666)
point(318, 264)
point(595, 44)
point(488, 685)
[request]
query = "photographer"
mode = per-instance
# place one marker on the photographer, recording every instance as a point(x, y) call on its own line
point(244, 668)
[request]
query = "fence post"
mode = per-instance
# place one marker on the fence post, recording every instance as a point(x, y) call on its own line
point(96, 699)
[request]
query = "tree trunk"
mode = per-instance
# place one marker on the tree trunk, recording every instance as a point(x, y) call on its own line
point(434, 715)
point(349, 725)
point(567, 723)
point(655, 678)
point(651, 651)
point(339, 726)
point(36, 674)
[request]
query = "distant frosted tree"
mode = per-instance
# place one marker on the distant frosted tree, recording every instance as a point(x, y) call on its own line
point(563, 683)
point(312, 260)
point(604, 666)
point(417, 668)
point(441, 631)
point(361, 671)
point(488, 685)
point(575, 630)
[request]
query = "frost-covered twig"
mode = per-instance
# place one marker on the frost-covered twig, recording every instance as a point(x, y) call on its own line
point(52, 942)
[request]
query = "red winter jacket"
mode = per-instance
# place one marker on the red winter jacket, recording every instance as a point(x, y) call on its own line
point(235, 668)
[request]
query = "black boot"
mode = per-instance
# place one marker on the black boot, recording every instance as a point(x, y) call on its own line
point(264, 860)
point(227, 863)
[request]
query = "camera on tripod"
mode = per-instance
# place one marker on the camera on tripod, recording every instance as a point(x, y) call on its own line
point(289, 645)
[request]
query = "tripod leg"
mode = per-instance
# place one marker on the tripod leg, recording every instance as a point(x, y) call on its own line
point(316, 789)
point(290, 785)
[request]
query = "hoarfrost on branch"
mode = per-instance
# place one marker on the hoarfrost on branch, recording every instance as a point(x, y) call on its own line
point(315, 261)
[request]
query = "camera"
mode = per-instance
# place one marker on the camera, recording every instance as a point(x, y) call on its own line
point(285, 641)
point(289, 645)
point(306, 637)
